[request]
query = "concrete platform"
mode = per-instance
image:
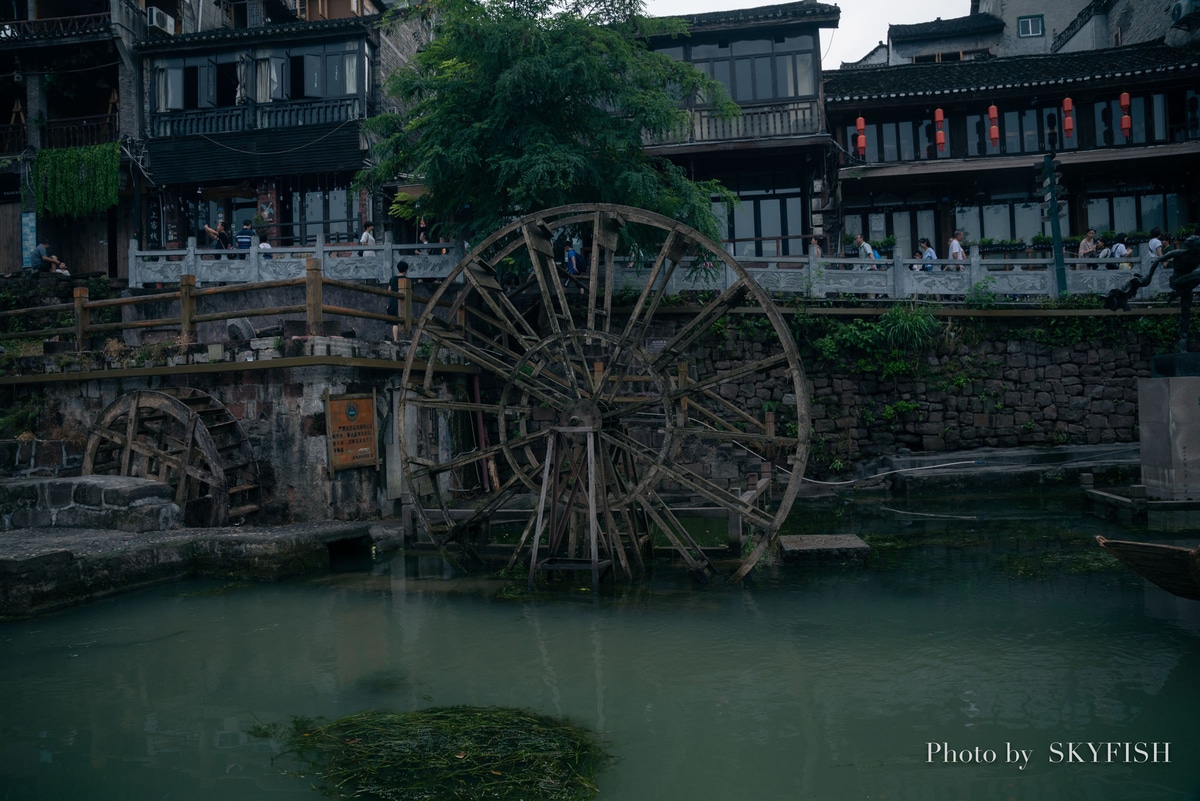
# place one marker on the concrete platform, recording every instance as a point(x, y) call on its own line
point(823, 549)
point(43, 569)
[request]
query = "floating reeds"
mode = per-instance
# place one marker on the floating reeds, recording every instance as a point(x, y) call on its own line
point(457, 753)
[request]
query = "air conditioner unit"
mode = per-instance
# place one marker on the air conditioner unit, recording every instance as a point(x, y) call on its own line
point(159, 20)
point(1183, 8)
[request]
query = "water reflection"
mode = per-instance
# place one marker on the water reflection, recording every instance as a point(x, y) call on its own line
point(974, 632)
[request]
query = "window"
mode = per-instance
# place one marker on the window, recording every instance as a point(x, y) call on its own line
point(764, 226)
point(268, 74)
point(186, 84)
point(756, 70)
point(1030, 26)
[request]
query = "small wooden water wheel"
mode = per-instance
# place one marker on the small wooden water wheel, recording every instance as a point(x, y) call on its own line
point(603, 415)
point(185, 438)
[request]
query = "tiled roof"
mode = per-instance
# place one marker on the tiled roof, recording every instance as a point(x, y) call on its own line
point(805, 10)
point(284, 29)
point(1007, 74)
point(946, 28)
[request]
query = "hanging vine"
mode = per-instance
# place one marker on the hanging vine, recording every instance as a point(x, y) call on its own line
point(76, 181)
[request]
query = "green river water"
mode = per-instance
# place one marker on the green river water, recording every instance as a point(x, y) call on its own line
point(980, 626)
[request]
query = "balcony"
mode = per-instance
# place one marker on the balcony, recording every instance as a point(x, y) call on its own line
point(81, 131)
point(255, 117)
point(26, 31)
point(793, 118)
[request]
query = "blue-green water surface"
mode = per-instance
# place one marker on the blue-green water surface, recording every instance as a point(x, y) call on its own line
point(993, 625)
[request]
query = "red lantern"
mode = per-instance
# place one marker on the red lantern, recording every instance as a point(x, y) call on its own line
point(862, 144)
point(939, 116)
point(993, 113)
point(941, 140)
point(1068, 126)
point(1068, 105)
point(860, 125)
point(1126, 125)
point(1125, 102)
point(995, 135)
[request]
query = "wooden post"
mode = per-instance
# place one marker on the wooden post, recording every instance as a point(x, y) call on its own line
point(597, 374)
point(405, 306)
point(683, 401)
point(187, 309)
point(736, 533)
point(313, 300)
point(82, 317)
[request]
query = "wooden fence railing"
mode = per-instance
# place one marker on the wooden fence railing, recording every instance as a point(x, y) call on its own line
point(189, 298)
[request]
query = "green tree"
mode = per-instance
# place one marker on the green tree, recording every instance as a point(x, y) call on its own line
point(520, 105)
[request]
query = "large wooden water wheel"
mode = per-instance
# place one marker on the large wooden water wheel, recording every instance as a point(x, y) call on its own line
point(185, 438)
point(604, 412)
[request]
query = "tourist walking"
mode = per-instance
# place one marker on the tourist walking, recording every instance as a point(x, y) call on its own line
point(367, 238)
point(245, 238)
point(957, 253)
point(218, 237)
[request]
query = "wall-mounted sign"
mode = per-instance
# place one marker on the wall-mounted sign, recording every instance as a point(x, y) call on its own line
point(350, 423)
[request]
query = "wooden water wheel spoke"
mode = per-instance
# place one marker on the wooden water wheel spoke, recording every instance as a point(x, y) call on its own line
point(592, 411)
point(696, 387)
point(701, 486)
point(660, 512)
point(541, 251)
point(646, 306)
point(479, 455)
point(701, 323)
point(181, 437)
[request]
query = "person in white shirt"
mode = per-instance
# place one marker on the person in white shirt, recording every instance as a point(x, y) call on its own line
point(864, 248)
point(1120, 250)
point(956, 251)
point(367, 238)
point(1155, 244)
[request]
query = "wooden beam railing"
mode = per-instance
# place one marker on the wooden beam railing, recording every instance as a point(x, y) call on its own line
point(98, 129)
point(31, 323)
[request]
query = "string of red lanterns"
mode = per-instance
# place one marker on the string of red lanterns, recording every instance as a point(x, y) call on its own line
point(993, 113)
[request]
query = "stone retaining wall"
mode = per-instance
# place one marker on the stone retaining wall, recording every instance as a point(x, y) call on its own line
point(118, 503)
point(27, 458)
point(999, 393)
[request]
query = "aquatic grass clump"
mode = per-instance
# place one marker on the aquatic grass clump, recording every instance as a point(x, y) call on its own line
point(457, 753)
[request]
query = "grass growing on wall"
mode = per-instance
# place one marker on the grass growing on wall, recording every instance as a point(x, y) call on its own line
point(76, 181)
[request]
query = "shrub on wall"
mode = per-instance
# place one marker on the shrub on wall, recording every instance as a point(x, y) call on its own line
point(76, 181)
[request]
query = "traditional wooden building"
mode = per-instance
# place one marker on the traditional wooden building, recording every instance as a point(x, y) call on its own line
point(260, 118)
point(772, 156)
point(928, 148)
point(67, 80)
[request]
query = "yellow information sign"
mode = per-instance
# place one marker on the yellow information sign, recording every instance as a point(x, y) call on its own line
point(350, 421)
